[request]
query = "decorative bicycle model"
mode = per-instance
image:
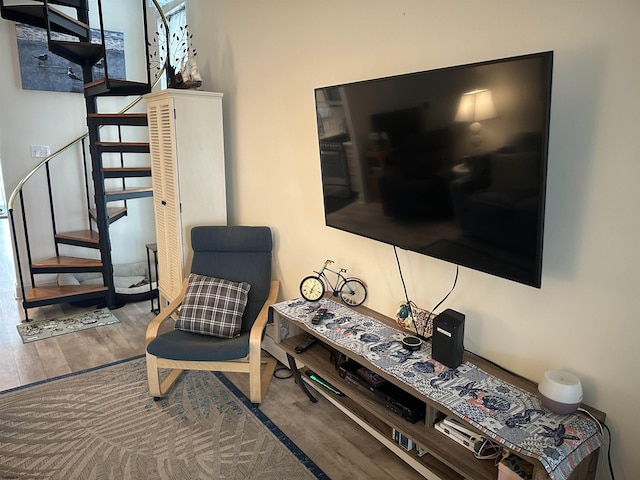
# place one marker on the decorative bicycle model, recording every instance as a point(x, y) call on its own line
point(351, 290)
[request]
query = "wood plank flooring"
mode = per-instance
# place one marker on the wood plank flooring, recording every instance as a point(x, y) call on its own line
point(335, 443)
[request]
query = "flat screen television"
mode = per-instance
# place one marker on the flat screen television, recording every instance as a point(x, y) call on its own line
point(450, 162)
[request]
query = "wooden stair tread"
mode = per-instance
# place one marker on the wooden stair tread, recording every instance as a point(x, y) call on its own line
point(89, 236)
point(64, 261)
point(34, 15)
point(78, 52)
point(126, 169)
point(38, 294)
point(116, 144)
point(126, 172)
point(118, 115)
point(132, 119)
point(114, 87)
point(112, 212)
point(141, 189)
point(128, 190)
point(128, 147)
point(75, 21)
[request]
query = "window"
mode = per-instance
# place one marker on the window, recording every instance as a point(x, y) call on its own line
point(176, 16)
point(177, 20)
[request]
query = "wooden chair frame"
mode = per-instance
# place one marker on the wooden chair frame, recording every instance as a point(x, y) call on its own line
point(260, 369)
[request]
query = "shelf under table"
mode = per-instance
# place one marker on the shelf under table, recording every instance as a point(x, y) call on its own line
point(445, 459)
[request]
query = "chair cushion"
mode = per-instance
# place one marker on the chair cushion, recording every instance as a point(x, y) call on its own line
point(213, 306)
point(187, 346)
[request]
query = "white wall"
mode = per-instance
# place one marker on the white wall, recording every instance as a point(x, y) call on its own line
point(267, 57)
point(31, 117)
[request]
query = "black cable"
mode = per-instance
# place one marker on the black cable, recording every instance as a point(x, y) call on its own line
point(455, 281)
point(609, 450)
point(602, 426)
point(275, 373)
point(404, 287)
point(409, 302)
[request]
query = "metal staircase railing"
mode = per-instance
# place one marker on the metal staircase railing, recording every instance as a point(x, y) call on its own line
point(17, 193)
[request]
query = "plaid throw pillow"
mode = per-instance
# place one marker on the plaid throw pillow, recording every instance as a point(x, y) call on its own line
point(213, 306)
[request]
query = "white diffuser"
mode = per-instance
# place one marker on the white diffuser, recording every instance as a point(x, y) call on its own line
point(560, 391)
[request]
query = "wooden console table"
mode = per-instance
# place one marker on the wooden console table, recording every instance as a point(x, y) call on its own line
point(444, 459)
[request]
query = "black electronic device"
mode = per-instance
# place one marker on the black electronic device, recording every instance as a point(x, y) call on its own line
point(348, 371)
point(314, 377)
point(391, 396)
point(436, 184)
point(371, 377)
point(403, 404)
point(306, 344)
point(319, 315)
point(411, 343)
point(448, 338)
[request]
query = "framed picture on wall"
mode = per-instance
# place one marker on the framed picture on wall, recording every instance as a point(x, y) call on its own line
point(42, 70)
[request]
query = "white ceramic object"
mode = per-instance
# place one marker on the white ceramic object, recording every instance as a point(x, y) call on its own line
point(560, 391)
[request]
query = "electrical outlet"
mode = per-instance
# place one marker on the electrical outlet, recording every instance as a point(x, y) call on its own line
point(40, 151)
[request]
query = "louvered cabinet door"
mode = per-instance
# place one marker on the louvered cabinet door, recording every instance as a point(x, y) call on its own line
point(166, 197)
point(188, 176)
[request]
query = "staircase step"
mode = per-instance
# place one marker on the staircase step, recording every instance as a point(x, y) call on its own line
point(69, 3)
point(79, 238)
point(81, 53)
point(114, 213)
point(126, 172)
point(128, 193)
point(114, 87)
point(50, 295)
point(133, 119)
point(62, 264)
point(123, 147)
point(34, 14)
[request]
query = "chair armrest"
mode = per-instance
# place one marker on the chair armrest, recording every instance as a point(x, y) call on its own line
point(165, 314)
point(255, 336)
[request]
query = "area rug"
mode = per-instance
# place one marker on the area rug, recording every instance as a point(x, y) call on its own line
point(102, 424)
point(41, 329)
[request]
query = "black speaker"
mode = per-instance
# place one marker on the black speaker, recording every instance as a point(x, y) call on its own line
point(448, 338)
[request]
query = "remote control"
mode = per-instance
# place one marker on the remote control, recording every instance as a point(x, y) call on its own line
point(306, 344)
point(317, 318)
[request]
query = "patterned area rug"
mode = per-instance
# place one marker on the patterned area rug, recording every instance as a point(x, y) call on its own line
point(102, 424)
point(41, 329)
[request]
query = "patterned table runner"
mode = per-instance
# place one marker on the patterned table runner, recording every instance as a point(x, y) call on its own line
point(507, 414)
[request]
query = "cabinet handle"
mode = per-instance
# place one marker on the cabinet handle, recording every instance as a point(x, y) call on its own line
point(164, 202)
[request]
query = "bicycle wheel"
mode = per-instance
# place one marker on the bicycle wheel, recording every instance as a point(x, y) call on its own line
point(312, 288)
point(353, 292)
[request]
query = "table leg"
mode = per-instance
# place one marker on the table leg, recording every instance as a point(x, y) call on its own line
point(298, 378)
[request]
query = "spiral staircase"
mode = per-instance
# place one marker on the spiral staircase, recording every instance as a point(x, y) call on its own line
point(104, 204)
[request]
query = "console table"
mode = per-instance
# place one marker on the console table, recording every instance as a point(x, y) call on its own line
point(372, 339)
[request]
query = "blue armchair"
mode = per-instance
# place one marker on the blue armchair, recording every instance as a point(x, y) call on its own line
point(235, 254)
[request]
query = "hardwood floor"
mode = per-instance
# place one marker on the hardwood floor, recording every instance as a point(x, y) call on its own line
point(336, 444)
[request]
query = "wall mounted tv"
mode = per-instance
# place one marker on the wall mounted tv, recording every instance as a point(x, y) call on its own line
point(450, 163)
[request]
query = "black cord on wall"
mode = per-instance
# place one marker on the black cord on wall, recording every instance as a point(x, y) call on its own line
point(410, 303)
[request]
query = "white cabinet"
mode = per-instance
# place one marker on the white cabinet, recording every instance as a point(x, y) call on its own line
point(188, 176)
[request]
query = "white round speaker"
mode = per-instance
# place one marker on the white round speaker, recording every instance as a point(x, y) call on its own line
point(560, 391)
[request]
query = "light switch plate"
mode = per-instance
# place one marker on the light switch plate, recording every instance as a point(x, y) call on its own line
point(40, 151)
